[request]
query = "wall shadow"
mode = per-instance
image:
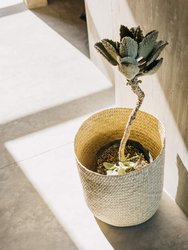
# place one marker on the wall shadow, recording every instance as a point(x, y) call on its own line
point(170, 17)
point(167, 229)
point(182, 190)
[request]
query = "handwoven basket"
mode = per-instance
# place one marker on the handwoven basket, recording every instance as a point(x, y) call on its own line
point(121, 200)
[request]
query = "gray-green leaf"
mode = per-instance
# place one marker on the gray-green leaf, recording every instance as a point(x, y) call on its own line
point(128, 60)
point(156, 52)
point(153, 67)
point(147, 44)
point(128, 47)
point(129, 71)
point(137, 33)
point(110, 48)
point(110, 41)
point(100, 48)
point(124, 31)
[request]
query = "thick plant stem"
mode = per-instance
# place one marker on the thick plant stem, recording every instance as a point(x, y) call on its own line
point(137, 90)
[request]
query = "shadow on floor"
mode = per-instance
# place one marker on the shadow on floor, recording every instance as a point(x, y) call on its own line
point(166, 230)
point(13, 9)
point(26, 221)
point(51, 117)
point(63, 16)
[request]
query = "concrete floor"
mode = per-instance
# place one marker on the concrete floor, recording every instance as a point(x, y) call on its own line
point(48, 88)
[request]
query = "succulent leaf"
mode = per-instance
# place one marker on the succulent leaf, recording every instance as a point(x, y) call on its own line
point(128, 60)
point(121, 171)
point(110, 48)
point(135, 54)
point(124, 31)
point(128, 70)
point(100, 48)
point(128, 47)
point(111, 42)
point(156, 52)
point(147, 44)
point(108, 165)
point(132, 164)
point(133, 30)
point(117, 46)
point(137, 33)
point(153, 67)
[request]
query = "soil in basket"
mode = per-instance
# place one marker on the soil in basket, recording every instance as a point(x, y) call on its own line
point(138, 155)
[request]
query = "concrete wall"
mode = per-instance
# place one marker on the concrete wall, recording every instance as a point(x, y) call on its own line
point(99, 24)
point(166, 91)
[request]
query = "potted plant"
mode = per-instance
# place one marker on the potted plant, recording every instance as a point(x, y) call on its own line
point(119, 151)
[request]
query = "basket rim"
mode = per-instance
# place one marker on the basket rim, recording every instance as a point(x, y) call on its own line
point(135, 172)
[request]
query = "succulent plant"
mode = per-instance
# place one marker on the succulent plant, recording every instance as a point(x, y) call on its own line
point(135, 55)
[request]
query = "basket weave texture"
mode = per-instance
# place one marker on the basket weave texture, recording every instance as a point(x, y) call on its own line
point(122, 200)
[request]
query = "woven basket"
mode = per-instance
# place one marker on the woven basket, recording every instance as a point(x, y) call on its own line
point(121, 200)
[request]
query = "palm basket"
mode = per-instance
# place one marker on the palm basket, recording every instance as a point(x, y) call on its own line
point(121, 200)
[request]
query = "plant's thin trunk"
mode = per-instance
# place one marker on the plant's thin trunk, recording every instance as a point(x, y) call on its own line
point(137, 90)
